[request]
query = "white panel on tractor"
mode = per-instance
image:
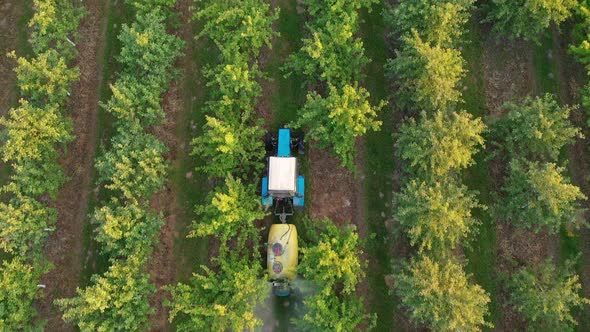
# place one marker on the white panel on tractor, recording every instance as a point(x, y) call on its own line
point(282, 174)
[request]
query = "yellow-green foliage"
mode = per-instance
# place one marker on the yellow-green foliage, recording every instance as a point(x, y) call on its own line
point(546, 295)
point(440, 295)
point(334, 263)
point(537, 128)
point(18, 290)
point(528, 19)
point(440, 22)
point(116, 301)
point(437, 216)
point(229, 147)
point(334, 57)
point(23, 221)
point(230, 211)
point(538, 196)
point(428, 75)
point(33, 132)
point(219, 301)
point(440, 144)
point(46, 78)
point(339, 118)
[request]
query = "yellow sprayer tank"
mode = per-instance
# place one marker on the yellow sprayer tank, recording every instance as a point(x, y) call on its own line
point(282, 256)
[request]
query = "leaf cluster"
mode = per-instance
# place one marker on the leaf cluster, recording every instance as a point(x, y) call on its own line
point(334, 264)
point(539, 196)
point(230, 212)
point(339, 118)
point(18, 290)
point(536, 128)
point(222, 300)
point(440, 295)
point(437, 22)
point(528, 19)
point(428, 67)
point(546, 296)
point(115, 301)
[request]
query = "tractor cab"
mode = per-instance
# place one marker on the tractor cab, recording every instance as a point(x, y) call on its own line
point(282, 187)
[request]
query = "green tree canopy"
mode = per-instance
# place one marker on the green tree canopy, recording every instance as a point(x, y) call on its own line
point(229, 147)
point(52, 23)
point(18, 290)
point(440, 295)
point(440, 22)
point(23, 221)
point(235, 90)
point(582, 51)
point(46, 78)
point(238, 27)
point(428, 75)
point(220, 301)
point(32, 132)
point(126, 230)
point(537, 128)
point(39, 177)
point(135, 102)
point(528, 19)
point(327, 312)
point(437, 216)
point(332, 53)
point(231, 210)
point(134, 165)
point(438, 145)
point(148, 51)
point(538, 196)
point(546, 295)
point(338, 119)
point(335, 260)
point(116, 301)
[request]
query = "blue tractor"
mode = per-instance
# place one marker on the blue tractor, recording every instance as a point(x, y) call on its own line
point(282, 186)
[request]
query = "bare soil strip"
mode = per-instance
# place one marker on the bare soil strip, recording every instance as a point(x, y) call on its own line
point(10, 12)
point(64, 247)
point(162, 267)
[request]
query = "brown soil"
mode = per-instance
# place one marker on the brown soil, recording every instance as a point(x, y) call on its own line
point(269, 87)
point(162, 266)
point(508, 72)
point(10, 12)
point(333, 190)
point(64, 247)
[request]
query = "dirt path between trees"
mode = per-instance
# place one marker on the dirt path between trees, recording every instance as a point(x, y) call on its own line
point(10, 12)
point(64, 246)
point(162, 267)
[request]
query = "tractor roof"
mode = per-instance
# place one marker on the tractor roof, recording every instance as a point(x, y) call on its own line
point(282, 174)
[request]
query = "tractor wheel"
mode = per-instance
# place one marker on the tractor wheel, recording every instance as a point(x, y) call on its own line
point(268, 144)
point(300, 141)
